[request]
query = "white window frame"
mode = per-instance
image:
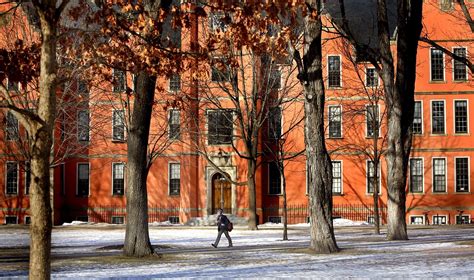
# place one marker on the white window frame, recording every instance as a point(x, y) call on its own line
point(113, 126)
point(340, 72)
point(11, 216)
point(445, 174)
point(422, 175)
point(17, 178)
point(422, 118)
point(452, 63)
point(468, 175)
point(458, 215)
point(366, 120)
point(377, 76)
point(113, 177)
point(444, 67)
point(434, 216)
point(169, 84)
point(169, 178)
point(125, 81)
point(169, 124)
point(342, 178)
point(431, 116)
point(77, 178)
point(207, 127)
point(417, 216)
point(329, 120)
point(454, 117)
point(112, 219)
point(367, 179)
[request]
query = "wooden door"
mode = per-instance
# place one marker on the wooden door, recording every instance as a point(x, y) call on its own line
point(221, 190)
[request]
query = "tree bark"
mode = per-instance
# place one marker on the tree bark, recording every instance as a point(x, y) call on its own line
point(285, 202)
point(319, 163)
point(41, 134)
point(252, 212)
point(137, 239)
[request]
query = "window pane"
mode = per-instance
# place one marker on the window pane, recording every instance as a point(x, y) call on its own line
point(83, 126)
point(118, 125)
point(174, 178)
point(175, 82)
point(460, 115)
point(274, 179)
point(370, 175)
point(12, 178)
point(437, 65)
point(174, 125)
point(335, 129)
point(118, 178)
point(371, 79)
point(83, 180)
point(220, 127)
point(439, 175)
point(275, 79)
point(417, 119)
point(12, 127)
point(462, 174)
point(336, 177)
point(274, 123)
point(334, 71)
point(437, 117)
point(372, 120)
point(459, 69)
point(119, 81)
point(416, 175)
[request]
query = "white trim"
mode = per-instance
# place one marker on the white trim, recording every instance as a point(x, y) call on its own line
point(431, 116)
point(444, 66)
point(342, 176)
point(89, 178)
point(112, 178)
point(422, 175)
point(454, 116)
point(112, 220)
point(452, 65)
point(417, 216)
point(422, 118)
point(468, 174)
point(340, 71)
point(458, 215)
point(445, 216)
point(169, 84)
point(445, 174)
point(18, 85)
point(169, 123)
point(379, 171)
point(169, 177)
point(329, 120)
point(113, 125)
point(11, 216)
point(17, 178)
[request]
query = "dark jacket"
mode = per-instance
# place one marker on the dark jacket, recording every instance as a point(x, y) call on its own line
point(222, 222)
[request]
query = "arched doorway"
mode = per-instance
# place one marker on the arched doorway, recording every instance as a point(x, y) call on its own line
point(221, 193)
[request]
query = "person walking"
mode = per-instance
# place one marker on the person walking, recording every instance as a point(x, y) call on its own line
point(222, 228)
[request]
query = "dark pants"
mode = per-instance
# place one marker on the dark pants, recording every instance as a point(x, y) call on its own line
point(223, 231)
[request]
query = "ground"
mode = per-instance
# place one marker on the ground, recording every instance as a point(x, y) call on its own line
point(92, 252)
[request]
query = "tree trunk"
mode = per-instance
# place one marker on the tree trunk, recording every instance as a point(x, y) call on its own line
point(41, 134)
point(285, 204)
point(376, 196)
point(319, 163)
point(252, 212)
point(137, 239)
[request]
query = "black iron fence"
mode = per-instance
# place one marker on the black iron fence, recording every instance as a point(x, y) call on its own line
point(299, 213)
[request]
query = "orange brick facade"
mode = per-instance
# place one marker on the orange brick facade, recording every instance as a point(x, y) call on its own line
point(183, 184)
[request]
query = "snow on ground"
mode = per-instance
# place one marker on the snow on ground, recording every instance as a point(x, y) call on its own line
point(431, 252)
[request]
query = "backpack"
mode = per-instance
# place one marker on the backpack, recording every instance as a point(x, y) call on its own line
point(230, 226)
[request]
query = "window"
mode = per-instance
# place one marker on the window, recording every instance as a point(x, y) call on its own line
point(27, 220)
point(417, 220)
point(274, 219)
point(437, 117)
point(371, 78)
point(175, 82)
point(220, 127)
point(337, 177)
point(216, 22)
point(274, 123)
point(370, 175)
point(12, 86)
point(27, 177)
point(119, 81)
point(83, 179)
point(437, 65)
point(117, 220)
point(460, 116)
point(335, 122)
point(12, 127)
point(11, 220)
point(82, 88)
point(462, 174)
point(174, 178)
point(459, 68)
point(83, 125)
point(275, 79)
point(220, 72)
point(118, 125)
point(440, 220)
point(173, 219)
point(334, 71)
point(12, 178)
point(372, 119)
point(274, 178)
point(174, 125)
point(446, 5)
point(439, 175)
point(118, 178)
point(462, 219)
point(417, 127)
point(416, 175)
